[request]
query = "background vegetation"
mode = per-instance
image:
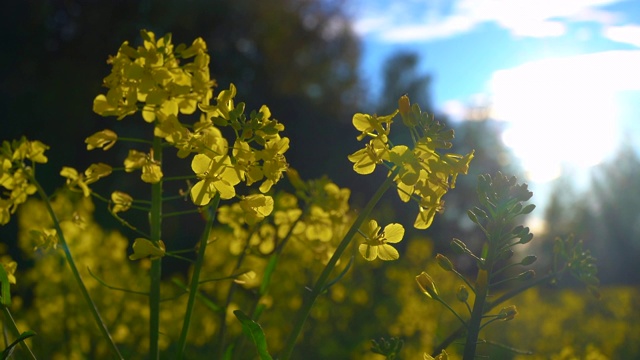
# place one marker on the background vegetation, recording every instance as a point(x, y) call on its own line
point(301, 59)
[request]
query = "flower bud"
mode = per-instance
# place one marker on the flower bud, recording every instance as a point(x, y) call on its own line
point(528, 260)
point(527, 275)
point(458, 247)
point(506, 254)
point(463, 294)
point(444, 262)
point(427, 285)
point(508, 313)
point(404, 105)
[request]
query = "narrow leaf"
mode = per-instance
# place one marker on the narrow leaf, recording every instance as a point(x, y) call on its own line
point(9, 350)
point(253, 330)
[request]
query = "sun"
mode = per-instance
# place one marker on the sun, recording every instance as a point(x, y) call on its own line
point(559, 117)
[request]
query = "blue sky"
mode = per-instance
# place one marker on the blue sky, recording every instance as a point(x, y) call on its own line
point(568, 65)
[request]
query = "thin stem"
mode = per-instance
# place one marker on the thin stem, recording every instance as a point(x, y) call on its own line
point(266, 281)
point(324, 276)
point(173, 255)
point(103, 283)
point(490, 306)
point(464, 323)
point(466, 281)
point(74, 270)
point(135, 140)
point(195, 278)
point(473, 327)
point(155, 224)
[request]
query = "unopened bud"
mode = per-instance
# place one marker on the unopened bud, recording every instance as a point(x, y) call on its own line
point(506, 254)
point(459, 247)
point(527, 275)
point(462, 294)
point(528, 260)
point(526, 238)
point(427, 285)
point(444, 262)
point(404, 106)
point(508, 313)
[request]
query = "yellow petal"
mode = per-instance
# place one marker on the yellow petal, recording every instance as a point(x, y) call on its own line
point(393, 233)
point(200, 193)
point(369, 253)
point(145, 248)
point(387, 252)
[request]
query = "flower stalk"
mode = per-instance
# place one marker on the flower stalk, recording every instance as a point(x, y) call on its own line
point(74, 270)
point(319, 286)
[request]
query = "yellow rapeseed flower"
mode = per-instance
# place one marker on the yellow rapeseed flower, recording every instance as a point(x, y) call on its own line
point(216, 174)
point(376, 243)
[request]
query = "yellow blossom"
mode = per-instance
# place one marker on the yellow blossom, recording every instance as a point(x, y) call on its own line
point(143, 248)
point(151, 170)
point(426, 284)
point(10, 268)
point(256, 207)
point(45, 238)
point(96, 172)
point(122, 201)
point(377, 243)
point(373, 126)
point(104, 139)
point(216, 174)
point(365, 160)
point(75, 180)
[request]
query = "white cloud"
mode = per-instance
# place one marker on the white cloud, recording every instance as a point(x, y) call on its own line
point(539, 29)
point(456, 110)
point(430, 21)
point(629, 34)
point(563, 111)
point(449, 26)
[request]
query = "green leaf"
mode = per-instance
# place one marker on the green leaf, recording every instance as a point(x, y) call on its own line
point(253, 330)
point(4, 287)
point(9, 350)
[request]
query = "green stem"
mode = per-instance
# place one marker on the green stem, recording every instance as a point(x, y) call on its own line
point(473, 328)
point(16, 332)
point(134, 140)
point(464, 323)
point(318, 288)
point(490, 306)
point(74, 270)
point(195, 278)
point(266, 282)
point(155, 224)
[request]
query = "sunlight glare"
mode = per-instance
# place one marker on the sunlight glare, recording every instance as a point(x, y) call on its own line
point(560, 116)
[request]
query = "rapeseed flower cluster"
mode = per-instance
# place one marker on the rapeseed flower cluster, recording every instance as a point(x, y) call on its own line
point(424, 175)
point(17, 168)
point(163, 82)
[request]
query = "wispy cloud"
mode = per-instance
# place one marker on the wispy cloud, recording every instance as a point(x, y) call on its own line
point(428, 20)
